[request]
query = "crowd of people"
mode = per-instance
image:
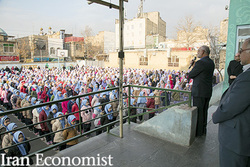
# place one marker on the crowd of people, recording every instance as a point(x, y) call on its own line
point(21, 88)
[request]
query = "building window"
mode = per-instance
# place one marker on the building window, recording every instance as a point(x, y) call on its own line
point(143, 61)
point(52, 51)
point(243, 32)
point(67, 46)
point(173, 61)
point(78, 47)
point(8, 48)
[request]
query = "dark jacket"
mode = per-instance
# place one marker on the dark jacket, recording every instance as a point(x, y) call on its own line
point(69, 105)
point(234, 68)
point(233, 116)
point(15, 152)
point(202, 75)
point(50, 116)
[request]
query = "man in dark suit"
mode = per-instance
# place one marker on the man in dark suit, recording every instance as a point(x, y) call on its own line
point(233, 116)
point(234, 68)
point(202, 75)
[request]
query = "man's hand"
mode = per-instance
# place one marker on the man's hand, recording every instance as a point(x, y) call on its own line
point(232, 76)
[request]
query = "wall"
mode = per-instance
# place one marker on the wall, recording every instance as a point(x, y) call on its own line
point(134, 33)
point(56, 44)
point(157, 59)
point(239, 14)
point(109, 41)
point(9, 64)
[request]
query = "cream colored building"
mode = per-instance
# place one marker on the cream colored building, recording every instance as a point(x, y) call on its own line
point(223, 40)
point(138, 30)
point(104, 39)
point(152, 59)
point(223, 30)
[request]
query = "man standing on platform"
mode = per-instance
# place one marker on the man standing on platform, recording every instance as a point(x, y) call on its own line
point(234, 68)
point(233, 116)
point(202, 75)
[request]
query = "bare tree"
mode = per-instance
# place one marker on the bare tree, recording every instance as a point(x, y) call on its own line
point(92, 47)
point(212, 36)
point(192, 34)
point(186, 31)
point(23, 49)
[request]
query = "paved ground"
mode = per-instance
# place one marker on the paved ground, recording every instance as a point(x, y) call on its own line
point(139, 150)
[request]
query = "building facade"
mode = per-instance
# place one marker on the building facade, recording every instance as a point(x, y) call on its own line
point(75, 47)
point(153, 59)
point(8, 48)
point(146, 31)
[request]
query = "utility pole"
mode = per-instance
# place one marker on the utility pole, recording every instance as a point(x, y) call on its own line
point(121, 52)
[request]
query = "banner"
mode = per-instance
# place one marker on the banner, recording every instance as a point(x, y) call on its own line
point(9, 58)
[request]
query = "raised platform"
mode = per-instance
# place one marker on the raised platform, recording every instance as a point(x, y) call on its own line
point(176, 124)
point(140, 150)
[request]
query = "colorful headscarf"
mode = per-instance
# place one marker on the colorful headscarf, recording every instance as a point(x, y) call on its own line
point(46, 111)
point(54, 106)
point(3, 119)
point(141, 99)
point(38, 109)
point(20, 146)
point(107, 107)
point(10, 127)
point(61, 121)
point(33, 99)
point(70, 119)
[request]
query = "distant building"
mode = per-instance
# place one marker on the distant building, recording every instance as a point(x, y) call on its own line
point(100, 45)
point(177, 59)
point(145, 31)
point(223, 31)
point(43, 47)
point(33, 48)
point(75, 47)
point(223, 41)
point(8, 47)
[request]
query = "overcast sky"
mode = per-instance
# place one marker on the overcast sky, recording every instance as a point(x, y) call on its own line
point(26, 17)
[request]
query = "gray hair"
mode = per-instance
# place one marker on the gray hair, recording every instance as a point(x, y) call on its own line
point(206, 49)
point(248, 43)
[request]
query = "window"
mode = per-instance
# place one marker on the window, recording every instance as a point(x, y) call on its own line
point(52, 51)
point(243, 32)
point(67, 46)
point(143, 61)
point(77, 46)
point(173, 61)
point(8, 48)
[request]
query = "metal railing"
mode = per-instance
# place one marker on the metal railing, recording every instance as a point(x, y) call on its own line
point(108, 125)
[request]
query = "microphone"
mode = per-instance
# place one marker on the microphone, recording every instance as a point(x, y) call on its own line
point(192, 63)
